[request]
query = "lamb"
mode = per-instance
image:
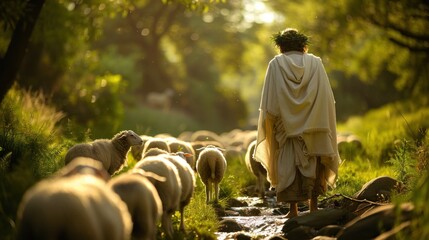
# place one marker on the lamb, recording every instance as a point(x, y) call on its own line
point(72, 207)
point(187, 178)
point(111, 152)
point(211, 167)
point(142, 199)
point(257, 169)
point(169, 191)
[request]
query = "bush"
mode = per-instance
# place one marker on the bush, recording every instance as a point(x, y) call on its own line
point(29, 149)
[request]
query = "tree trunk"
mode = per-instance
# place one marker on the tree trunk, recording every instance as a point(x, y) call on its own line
point(15, 53)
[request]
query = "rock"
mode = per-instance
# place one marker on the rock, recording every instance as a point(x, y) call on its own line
point(242, 236)
point(329, 230)
point(232, 202)
point(300, 233)
point(229, 225)
point(319, 219)
point(375, 222)
point(250, 212)
point(378, 189)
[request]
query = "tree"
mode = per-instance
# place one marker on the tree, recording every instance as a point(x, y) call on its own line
point(11, 61)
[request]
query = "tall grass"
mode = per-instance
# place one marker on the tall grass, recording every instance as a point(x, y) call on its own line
point(29, 149)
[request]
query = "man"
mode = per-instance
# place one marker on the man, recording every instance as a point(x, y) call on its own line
point(297, 141)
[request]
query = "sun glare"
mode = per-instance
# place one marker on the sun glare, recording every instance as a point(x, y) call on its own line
point(257, 11)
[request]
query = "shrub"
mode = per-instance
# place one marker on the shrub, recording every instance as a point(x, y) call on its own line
point(29, 149)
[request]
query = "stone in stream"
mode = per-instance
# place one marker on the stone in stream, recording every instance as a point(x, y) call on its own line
point(230, 225)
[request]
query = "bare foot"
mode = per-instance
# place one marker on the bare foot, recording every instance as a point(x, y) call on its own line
point(313, 205)
point(293, 210)
point(291, 214)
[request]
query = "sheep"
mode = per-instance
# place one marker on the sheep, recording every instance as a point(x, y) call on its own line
point(205, 135)
point(160, 100)
point(200, 145)
point(137, 150)
point(111, 152)
point(177, 145)
point(154, 152)
point(142, 199)
point(169, 191)
point(257, 169)
point(83, 165)
point(156, 143)
point(187, 178)
point(73, 207)
point(211, 167)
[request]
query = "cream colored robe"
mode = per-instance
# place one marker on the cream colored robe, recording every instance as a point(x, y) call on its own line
point(297, 103)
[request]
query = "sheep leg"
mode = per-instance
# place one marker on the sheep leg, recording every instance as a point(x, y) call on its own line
point(261, 186)
point(208, 192)
point(216, 191)
point(167, 225)
point(182, 223)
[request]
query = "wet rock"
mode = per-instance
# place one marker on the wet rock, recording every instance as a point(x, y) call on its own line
point(229, 225)
point(250, 212)
point(319, 219)
point(300, 233)
point(375, 222)
point(329, 230)
point(242, 236)
point(231, 213)
point(276, 238)
point(232, 202)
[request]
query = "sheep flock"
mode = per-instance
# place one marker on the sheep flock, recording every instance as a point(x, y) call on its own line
point(98, 195)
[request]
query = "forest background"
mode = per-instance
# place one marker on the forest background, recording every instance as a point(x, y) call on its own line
point(80, 70)
point(98, 60)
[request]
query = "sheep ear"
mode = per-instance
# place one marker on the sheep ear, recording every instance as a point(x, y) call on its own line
point(188, 154)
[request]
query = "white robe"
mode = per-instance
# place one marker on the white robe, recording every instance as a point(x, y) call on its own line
point(297, 105)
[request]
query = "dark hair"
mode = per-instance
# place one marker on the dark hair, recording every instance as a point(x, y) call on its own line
point(290, 40)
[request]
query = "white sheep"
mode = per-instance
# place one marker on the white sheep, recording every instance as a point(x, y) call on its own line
point(83, 165)
point(211, 167)
point(187, 178)
point(142, 199)
point(177, 145)
point(257, 169)
point(111, 152)
point(160, 100)
point(169, 191)
point(156, 143)
point(154, 152)
point(73, 207)
point(137, 150)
